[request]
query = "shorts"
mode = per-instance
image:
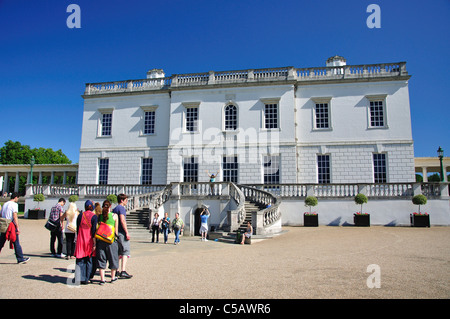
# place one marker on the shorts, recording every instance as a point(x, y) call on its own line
point(203, 228)
point(107, 253)
point(123, 245)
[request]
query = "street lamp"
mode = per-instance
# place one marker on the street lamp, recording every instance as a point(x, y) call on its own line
point(440, 152)
point(32, 161)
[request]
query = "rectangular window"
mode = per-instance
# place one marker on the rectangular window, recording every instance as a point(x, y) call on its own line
point(322, 116)
point(192, 119)
point(379, 168)
point(230, 169)
point(190, 169)
point(106, 124)
point(377, 114)
point(103, 168)
point(149, 122)
point(271, 167)
point(147, 171)
point(323, 169)
point(271, 116)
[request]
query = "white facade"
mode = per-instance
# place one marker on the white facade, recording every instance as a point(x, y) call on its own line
point(334, 124)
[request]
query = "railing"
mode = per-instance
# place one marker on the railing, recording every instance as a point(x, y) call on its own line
point(250, 75)
point(202, 188)
point(345, 190)
point(56, 190)
point(270, 214)
point(237, 216)
point(151, 201)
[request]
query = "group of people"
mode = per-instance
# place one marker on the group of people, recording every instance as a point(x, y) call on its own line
point(86, 245)
point(82, 243)
point(164, 225)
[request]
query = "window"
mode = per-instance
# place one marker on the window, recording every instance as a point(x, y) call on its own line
point(191, 116)
point(323, 169)
point(377, 111)
point(322, 116)
point(103, 168)
point(106, 124)
point(376, 114)
point(379, 168)
point(230, 169)
point(271, 167)
point(147, 170)
point(190, 169)
point(271, 116)
point(230, 117)
point(149, 122)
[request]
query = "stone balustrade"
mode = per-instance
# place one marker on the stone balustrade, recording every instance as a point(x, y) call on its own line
point(350, 72)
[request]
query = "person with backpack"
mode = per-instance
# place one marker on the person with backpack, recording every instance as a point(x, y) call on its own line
point(108, 251)
point(165, 226)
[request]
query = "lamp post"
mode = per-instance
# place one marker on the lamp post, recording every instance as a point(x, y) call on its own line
point(32, 161)
point(440, 152)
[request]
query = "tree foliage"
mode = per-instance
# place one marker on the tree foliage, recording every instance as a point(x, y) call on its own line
point(16, 153)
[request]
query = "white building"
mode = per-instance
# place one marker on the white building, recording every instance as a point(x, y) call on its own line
point(334, 124)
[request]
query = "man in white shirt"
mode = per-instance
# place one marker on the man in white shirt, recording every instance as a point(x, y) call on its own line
point(9, 211)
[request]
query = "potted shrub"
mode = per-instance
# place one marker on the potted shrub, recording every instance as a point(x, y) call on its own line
point(360, 218)
point(311, 219)
point(37, 213)
point(112, 198)
point(73, 198)
point(420, 219)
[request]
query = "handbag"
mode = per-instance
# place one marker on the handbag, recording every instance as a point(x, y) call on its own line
point(105, 232)
point(4, 223)
point(72, 227)
point(52, 225)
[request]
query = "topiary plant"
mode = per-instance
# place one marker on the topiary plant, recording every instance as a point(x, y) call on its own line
point(419, 200)
point(38, 198)
point(360, 199)
point(311, 201)
point(112, 198)
point(73, 198)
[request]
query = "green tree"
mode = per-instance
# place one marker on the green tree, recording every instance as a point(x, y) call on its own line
point(16, 153)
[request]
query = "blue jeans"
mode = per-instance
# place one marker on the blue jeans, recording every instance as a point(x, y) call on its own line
point(16, 244)
point(83, 269)
point(177, 236)
point(166, 234)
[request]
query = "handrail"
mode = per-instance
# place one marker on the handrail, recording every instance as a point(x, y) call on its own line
point(271, 213)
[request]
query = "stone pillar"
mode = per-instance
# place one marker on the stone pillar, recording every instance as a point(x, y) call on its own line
point(425, 174)
point(40, 178)
point(6, 183)
point(16, 185)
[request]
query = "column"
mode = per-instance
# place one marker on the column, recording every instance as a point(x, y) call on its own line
point(52, 179)
point(16, 185)
point(40, 178)
point(6, 183)
point(425, 174)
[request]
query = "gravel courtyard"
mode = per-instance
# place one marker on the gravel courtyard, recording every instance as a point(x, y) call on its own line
point(307, 263)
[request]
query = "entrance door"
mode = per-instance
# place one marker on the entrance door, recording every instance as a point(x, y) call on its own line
point(197, 221)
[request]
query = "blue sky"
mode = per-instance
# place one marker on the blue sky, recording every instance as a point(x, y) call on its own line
point(44, 65)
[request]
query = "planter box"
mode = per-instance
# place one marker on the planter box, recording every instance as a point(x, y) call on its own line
point(36, 214)
point(361, 220)
point(310, 220)
point(420, 220)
